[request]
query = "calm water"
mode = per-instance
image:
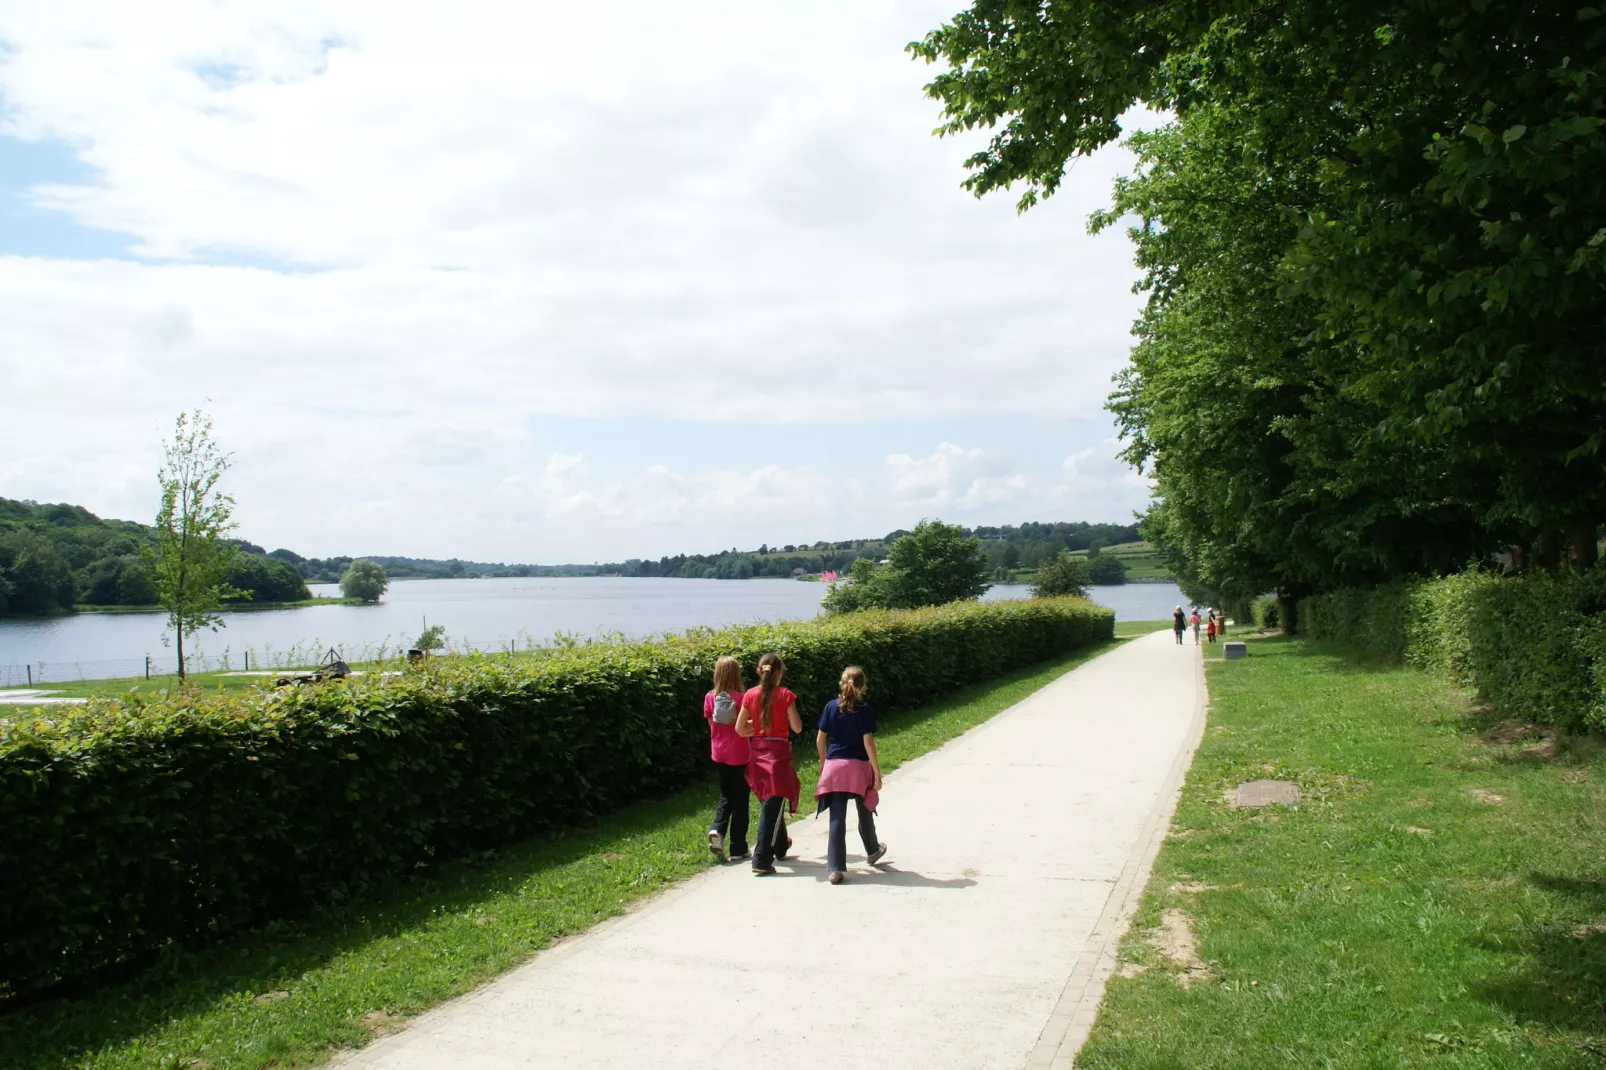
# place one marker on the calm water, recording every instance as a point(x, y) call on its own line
point(486, 614)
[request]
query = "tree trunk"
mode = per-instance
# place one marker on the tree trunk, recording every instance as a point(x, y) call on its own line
point(179, 631)
point(1585, 550)
point(1519, 556)
point(1549, 551)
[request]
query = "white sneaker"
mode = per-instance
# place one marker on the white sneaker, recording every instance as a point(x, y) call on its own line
point(880, 853)
point(716, 844)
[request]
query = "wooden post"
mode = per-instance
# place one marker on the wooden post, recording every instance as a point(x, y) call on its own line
point(147, 666)
point(30, 675)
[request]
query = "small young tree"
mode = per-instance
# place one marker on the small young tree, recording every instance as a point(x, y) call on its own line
point(193, 554)
point(364, 580)
point(1065, 574)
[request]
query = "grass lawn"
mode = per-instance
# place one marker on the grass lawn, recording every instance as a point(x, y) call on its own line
point(1437, 900)
point(288, 996)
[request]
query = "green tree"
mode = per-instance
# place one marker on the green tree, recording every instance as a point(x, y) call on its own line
point(934, 564)
point(192, 557)
point(1106, 569)
point(1066, 574)
point(364, 580)
point(1371, 242)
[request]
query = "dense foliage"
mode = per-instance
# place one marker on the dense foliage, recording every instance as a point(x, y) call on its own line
point(364, 580)
point(131, 824)
point(1372, 239)
point(1530, 645)
point(53, 557)
point(1065, 575)
point(935, 564)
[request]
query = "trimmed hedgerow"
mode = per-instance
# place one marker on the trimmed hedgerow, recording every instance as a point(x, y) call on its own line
point(136, 824)
point(1533, 646)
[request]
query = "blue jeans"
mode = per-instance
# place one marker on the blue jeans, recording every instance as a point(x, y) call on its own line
point(836, 851)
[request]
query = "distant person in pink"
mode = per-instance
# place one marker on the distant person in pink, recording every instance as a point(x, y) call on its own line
point(730, 753)
point(849, 769)
point(767, 719)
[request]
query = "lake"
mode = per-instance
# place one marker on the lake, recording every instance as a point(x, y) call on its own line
point(482, 614)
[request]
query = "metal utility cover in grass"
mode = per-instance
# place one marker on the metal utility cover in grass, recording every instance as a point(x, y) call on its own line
point(1266, 793)
point(1234, 651)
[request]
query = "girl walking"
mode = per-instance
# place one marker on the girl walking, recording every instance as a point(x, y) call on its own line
point(729, 752)
point(1194, 620)
point(849, 769)
point(1210, 626)
point(768, 716)
point(1179, 623)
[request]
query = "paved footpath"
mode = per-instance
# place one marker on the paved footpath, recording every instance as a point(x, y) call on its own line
point(1018, 852)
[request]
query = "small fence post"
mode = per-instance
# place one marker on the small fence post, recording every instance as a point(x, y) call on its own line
point(30, 674)
point(147, 666)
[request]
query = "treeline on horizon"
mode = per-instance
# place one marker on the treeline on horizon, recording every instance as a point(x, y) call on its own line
point(54, 557)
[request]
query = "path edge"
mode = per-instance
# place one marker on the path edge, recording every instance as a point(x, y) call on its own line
point(1078, 1005)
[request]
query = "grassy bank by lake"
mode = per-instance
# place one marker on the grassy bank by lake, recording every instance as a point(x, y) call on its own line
point(291, 994)
point(1437, 899)
point(229, 607)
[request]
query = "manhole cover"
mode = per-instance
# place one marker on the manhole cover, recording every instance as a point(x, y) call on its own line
point(1267, 792)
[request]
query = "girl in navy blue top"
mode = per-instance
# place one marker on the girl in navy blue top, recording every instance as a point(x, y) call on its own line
point(849, 769)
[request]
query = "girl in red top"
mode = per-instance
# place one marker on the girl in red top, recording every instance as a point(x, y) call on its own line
point(729, 752)
point(769, 714)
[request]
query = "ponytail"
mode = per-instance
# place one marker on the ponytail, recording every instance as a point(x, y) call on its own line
point(770, 668)
point(850, 690)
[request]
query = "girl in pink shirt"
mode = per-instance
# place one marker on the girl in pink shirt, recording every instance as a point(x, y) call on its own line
point(729, 752)
point(768, 717)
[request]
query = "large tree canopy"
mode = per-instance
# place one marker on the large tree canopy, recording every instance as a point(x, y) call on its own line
point(1372, 240)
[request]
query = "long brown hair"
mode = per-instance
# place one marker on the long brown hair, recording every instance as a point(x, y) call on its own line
point(770, 668)
point(728, 676)
point(850, 689)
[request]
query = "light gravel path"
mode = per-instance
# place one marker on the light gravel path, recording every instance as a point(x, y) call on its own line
point(1018, 852)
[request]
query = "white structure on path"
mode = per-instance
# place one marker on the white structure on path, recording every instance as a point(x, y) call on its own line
point(1018, 854)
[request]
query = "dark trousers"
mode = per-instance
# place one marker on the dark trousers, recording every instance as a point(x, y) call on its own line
point(771, 832)
point(836, 851)
point(732, 809)
point(1179, 635)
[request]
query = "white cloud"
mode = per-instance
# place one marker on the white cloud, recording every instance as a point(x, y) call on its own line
point(493, 212)
point(954, 478)
point(1096, 482)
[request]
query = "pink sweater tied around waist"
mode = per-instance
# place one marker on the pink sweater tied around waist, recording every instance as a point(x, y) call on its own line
point(852, 775)
point(770, 772)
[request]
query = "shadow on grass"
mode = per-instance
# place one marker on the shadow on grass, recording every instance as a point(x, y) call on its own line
point(1564, 983)
point(65, 1032)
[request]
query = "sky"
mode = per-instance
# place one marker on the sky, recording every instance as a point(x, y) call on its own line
point(538, 282)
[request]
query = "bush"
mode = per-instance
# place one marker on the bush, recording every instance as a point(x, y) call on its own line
point(1065, 575)
point(364, 580)
point(1533, 646)
point(137, 823)
point(1105, 569)
point(1266, 613)
point(932, 565)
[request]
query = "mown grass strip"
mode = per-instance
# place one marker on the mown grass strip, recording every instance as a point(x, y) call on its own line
point(1438, 898)
point(288, 996)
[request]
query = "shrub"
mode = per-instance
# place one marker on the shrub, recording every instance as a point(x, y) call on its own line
point(1533, 646)
point(1266, 613)
point(932, 565)
point(1065, 575)
point(137, 823)
point(364, 580)
point(1106, 569)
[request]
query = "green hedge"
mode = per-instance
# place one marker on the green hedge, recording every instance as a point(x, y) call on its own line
point(1533, 646)
point(138, 824)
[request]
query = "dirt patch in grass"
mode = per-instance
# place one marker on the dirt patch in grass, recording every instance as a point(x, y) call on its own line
point(1484, 795)
point(1176, 941)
